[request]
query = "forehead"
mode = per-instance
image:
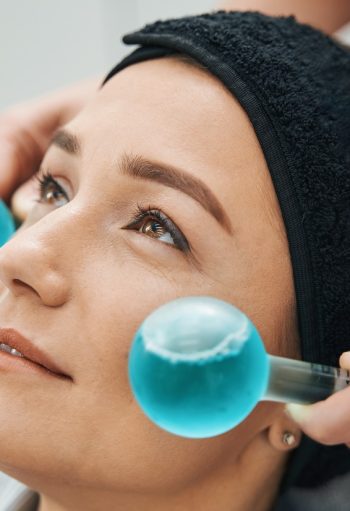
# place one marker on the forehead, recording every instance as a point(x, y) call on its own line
point(175, 111)
point(174, 106)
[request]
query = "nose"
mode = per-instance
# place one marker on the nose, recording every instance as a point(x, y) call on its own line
point(31, 264)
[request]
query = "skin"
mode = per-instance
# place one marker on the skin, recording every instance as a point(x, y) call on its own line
point(326, 15)
point(79, 285)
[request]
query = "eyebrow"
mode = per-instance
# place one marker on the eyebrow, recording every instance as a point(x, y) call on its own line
point(66, 141)
point(139, 167)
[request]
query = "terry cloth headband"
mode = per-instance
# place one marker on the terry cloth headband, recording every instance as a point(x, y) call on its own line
point(294, 84)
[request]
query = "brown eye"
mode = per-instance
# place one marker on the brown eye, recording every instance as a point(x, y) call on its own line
point(155, 224)
point(50, 192)
point(153, 228)
point(53, 196)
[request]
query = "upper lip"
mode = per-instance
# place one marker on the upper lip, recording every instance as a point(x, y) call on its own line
point(11, 337)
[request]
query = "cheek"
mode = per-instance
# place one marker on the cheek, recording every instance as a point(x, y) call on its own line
point(257, 278)
point(114, 294)
point(115, 437)
point(117, 442)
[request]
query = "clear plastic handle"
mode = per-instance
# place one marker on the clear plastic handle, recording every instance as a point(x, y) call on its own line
point(295, 381)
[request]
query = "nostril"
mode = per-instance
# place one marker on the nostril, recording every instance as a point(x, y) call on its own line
point(20, 283)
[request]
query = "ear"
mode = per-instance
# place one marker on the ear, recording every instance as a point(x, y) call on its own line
point(283, 434)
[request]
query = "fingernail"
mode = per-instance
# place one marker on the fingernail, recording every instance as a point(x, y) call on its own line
point(299, 413)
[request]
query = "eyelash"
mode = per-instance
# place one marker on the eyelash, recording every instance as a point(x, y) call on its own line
point(140, 213)
point(45, 179)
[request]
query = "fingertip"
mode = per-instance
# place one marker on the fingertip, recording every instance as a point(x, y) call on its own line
point(344, 360)
point(23, 199)
point(7, 173)
point(299, 413)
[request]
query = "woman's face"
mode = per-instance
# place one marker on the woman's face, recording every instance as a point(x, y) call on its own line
point(91, 262)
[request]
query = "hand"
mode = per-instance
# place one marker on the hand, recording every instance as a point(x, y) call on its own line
point(26, 130)
point(328, 421)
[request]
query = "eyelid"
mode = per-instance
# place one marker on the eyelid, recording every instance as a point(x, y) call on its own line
point(46, 173)
point(142, 213)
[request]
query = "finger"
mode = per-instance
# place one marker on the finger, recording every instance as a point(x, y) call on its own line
point(328, 421)
point(344, 360)
point(24, 199)
point(8, 165)
point(20, 156)
point(26, 130)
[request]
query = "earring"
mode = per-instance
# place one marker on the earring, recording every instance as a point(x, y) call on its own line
point(288, 438)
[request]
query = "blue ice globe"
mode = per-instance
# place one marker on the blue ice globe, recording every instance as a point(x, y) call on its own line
point(7, 224)
point(198, 367)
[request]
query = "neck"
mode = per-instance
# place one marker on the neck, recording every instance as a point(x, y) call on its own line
point(249, 483)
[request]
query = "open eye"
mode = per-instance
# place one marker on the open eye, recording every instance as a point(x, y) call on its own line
point(156, 230)
point(50, 192)
point(155, 224)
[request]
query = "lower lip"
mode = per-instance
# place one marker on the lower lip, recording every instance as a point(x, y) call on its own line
point(12, 363)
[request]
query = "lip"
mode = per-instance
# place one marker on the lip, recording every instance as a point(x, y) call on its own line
point(31, 353)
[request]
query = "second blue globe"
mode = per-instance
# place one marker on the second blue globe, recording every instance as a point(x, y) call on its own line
point(7, 224)
point(198, 367)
